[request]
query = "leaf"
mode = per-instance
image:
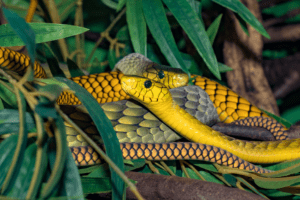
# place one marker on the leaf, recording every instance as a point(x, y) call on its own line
point(136, 164)
point(110, 4)
point(121, 5)
point(230, 179)
point(21, 31)
point(275, 183)
point(100, 172)
point(160, 29)
point(74, 69)
point(137, 26)
point(8, 96)
point(224, 68)
point(70, 181)
point(244, 13)
point(44, 32)
point(9, 121)
point(191, 24)
point(7, 149)
point(95, 185)
point(112, 59)
point(24, 177)
point(51, 60)
point(106, 131)
point(18, 156)
point(213, 29)
point(204, 165)
point(123, 34)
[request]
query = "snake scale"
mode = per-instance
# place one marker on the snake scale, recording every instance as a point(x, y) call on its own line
point(107, 86)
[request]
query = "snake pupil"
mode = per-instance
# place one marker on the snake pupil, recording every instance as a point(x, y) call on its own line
point(147, 84)
point(161, 74)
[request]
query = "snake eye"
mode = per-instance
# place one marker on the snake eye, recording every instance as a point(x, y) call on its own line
point(147, 84)
point(161, 74)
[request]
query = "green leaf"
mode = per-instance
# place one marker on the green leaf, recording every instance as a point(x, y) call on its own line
point(276, 183)
point(230, 179)
point(100, 172)
point(106, 131)
point(136, 164)
point(110, 4)
point(7, 149)
point(213, 29)
point(20, 148)
point(123, 34)
point(95, 185)
point(51, 60)
point(9, 121)
point(21, 31)
point(244, 13)
point(112, 59)
point(251, 187)
point(24, 177)
point(224, 68)
point(191, 24)
point(205, 165)
point(44, 32)
point(8, 96)
point(137, 26)
point(74, 69)
point(61, 146)
point(70, 181)
point(243, 25)
point(120, 5)
point(160, 29)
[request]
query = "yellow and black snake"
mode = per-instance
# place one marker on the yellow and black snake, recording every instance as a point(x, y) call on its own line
point(107, 86)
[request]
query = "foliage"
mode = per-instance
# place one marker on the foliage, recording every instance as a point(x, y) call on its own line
point(18, 154)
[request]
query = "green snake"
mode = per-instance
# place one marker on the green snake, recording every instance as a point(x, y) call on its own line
point(106, 85)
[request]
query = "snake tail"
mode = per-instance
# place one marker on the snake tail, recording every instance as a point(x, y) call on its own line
point(265, 122)
point(85, 155)
point(19, 63)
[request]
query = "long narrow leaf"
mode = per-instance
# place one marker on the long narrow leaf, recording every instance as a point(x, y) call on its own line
point(137, 26)
point(44, 32)
point(106, 131)
point(191, 24)
point(21, 31)
point(244, 13)
point(160, 29)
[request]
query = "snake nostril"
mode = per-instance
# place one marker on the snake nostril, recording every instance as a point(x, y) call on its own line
point(147, 84)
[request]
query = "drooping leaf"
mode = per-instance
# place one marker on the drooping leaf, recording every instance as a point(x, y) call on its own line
point(137, 26)
point(74, 69)
point(160, 29)
point(244, 13)
point(20, 30)
point(106, 131)
point(9, 121)
point(44, 32)
point(190, 22)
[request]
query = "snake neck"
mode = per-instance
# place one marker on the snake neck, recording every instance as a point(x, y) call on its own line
point(192, 129)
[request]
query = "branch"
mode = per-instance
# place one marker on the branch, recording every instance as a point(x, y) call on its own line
point(153, 186)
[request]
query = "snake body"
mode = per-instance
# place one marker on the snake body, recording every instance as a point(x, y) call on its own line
point(18, 62)
point(158, 99)
point(133, 123)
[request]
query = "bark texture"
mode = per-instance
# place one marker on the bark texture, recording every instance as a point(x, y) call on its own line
point(243, 53)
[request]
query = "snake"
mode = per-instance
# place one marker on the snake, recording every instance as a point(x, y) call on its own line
point(157, 98)
point(18, 62)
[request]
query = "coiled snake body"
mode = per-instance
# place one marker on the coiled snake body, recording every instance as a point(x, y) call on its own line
point(107, 86)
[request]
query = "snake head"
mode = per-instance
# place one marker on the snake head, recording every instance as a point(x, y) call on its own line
point(170, 77)
point(144, 90)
